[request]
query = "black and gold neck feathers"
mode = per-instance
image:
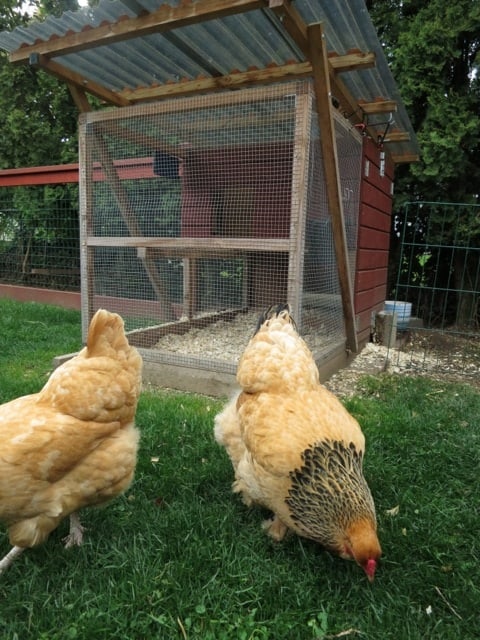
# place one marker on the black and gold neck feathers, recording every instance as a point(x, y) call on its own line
point(328, 492)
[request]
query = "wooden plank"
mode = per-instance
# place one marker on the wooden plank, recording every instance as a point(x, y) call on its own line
point(399, 158)
point(87, 273)
point(150, 336)
point(378, 106)
point(79, 97)
point(292, 71)
point(292, 22)
point(163, 19)
point(190, 286)
point(185, 244)
point(321, 79)
point(352, 61)
point(396, 136)
point(28, 176)
point(185, 104)
point(298, 214)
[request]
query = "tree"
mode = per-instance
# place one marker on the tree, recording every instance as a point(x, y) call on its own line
point(433, 48)
point(38, 120)
point(38, 117)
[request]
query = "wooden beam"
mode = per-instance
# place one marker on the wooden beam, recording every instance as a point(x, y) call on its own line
point(80, 98)
point(321, 80)
point(397, 136)
point(352, 61)
point(292, 21)
point(210, 245)
point(38, 61)
point(404, 158)
point(294, 24)
point(129, 216)
point(298, 204)
point(231, 81)
point(163, 19)
point(378, 106)
point(271, 74)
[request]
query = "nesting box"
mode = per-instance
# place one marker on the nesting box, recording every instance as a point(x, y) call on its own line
point(198, 213)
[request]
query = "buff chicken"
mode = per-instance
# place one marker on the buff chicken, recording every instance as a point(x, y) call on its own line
point(294, 447)
point(73, 444)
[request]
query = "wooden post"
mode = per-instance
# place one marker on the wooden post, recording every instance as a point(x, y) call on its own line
point(298, 209)
point(386, 329)
point(321, 81)
point(85, 168)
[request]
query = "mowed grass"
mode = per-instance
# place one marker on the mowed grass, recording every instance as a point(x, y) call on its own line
point(179, 556)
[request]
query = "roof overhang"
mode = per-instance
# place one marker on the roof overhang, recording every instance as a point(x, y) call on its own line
point(131, 51)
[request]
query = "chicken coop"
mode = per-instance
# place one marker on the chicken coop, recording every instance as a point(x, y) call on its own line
point(201, 212)
point(238, 154)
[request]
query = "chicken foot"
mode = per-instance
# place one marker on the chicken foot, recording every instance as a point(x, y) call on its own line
point(7, 560)
point(275, 528)
point(75, 536)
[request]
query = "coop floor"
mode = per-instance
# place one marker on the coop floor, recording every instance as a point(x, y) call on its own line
point(225, 340)
point(205, 359)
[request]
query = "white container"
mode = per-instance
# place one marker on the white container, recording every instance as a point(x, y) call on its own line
point(403, 311)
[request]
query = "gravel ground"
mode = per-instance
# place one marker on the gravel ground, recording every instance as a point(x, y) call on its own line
point(444, 356)
point(455, 362)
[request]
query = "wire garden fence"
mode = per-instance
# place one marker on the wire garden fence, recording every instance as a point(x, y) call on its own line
point(39, 236)
point(439, 274)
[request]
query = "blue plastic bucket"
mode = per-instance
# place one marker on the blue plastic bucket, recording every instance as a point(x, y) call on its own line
point(403, 311)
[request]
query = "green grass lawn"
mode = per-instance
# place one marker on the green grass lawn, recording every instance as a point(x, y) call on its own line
point(179, 556)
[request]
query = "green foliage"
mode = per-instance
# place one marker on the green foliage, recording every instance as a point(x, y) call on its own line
point(433, 48)
point(38, 118)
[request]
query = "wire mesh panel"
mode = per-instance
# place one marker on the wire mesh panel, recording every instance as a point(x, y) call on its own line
point(198, 213)
point(39, 239)
point(439, 274)
point(322, 301)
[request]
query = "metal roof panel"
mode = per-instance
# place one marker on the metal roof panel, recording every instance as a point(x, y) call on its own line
point(254, 39)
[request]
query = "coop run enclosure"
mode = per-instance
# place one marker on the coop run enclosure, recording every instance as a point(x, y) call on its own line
point(197, 213)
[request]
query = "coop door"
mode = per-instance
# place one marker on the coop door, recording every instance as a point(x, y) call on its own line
point(234, 212)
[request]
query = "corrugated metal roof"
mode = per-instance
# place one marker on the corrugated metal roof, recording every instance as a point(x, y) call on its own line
point(254, 39)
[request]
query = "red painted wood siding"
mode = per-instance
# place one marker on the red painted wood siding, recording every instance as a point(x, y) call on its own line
point(373, 244)
point(132, 169)
point(247, 193)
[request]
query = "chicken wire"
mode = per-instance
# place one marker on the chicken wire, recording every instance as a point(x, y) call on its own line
point(39, 239)
point(198, 213)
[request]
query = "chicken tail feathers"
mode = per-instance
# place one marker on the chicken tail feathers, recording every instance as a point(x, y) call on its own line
point(106, 334)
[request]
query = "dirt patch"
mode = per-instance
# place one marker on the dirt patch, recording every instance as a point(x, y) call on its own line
point(441, 356)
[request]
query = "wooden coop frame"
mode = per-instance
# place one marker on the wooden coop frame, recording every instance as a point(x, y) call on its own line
point(188, 247)
point(68, 56)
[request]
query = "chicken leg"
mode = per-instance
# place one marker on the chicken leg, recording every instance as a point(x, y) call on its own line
point(7, 560)
point(75, 536)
